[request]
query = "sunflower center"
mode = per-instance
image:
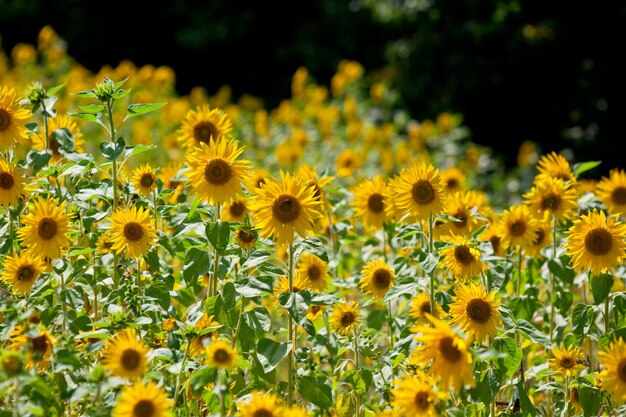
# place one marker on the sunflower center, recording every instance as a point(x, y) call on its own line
point(133, 232)
point(40, 344)
point(517, 228)
point(619, 195)
point(204, 131)
point(422, 400)
point(146, 180)
point(6, 181)
point(425, 308)
point(550, 202)
point(463, 255)
point(540, 236)
point(5, 120)
point(286, 208)
point(347, 318)
point(478, 310)
point(381, 279)
point(144, 408)
point(221, 356)
point(130, 359)
point(423, 192)
point(247, 235)
point(313, 273)
point(237, 209)
point(567, 363)
point(621, 370)
point(599, 241)
point(218, 172)
point(262, 412)
point(47, 228)
point(574, 395)
point(260, 182)
point(452, 183)
point(495, 243)
point(54, 145)
point(25, 273)
point(450, 352)
point(315, 309)
point(347, 163)
point(375, 203)
point(462, 216)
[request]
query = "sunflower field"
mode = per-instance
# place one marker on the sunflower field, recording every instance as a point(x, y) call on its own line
point(167, 255)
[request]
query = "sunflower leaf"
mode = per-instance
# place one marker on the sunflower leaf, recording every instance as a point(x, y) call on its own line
point(271, 353)
point(585, 166)
point(112, 151)
point(218, 234)
point(296, 303)
point(601, 286)
point(134, 110)
point(316, 390)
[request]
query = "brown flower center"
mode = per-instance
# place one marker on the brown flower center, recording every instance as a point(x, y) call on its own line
point(204, 131)
point(315, 309)
point(221, 356)
point(144, 408)
point(259, 182)
point(447, 349)
point(425, 307)
point(422, 400)
point(495, 243)
point(452, 183)
point(540, 235)
point(462, 216)
point(347, 318)
point(286, 208)
point(375, 203)
point(423, 192)
point(478, 310)
point(40, 344)
point(25, 273)
point(247, 235)
point(47, 228)
point(347, 162)
point(517, 228)
point(550, 202)
point(574, 396)
point(130, 359)
point(133, 232)
point(6, 181)
point(54, 145)
point(147, 180)
point(381, 279)
point(567, 363)
point(218, 172)
point(313, 273)
point(237, 209)
point(618, 196)
point(5, 120)
point(599, 242)
point(621, 370)
point(463, 255)
point(262, 412)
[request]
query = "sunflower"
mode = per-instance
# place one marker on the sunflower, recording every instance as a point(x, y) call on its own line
point(377, 279)
point(246, 237)
point(282, 208)
point(346, 318)
point(22, 270)
point(310, 177)
point(543, 238)
point(235, 211)
point(256, 179)
point(142, 400)
point(200, 342)
point(613, 376)
point(104, 244)
point(314, 270)
point(414, 396)
point(204, 125)
point(11, 362)
point(314, 312)
point(300, 282)
point(347, 162)
point(144, 180)
point(419, 191)
point(125, 354)
point(462, 205)
point(46, 228)
point(215, 173)
point(612, 192)
point(555, 166)
point(11, 184)
point(420, 305)
point(132, 231)
point(262, 405)
point(517, 227)
point(452, 362)
point(12, 119)
point(172, 180)
point(596, 242)
point(369, 203)
point(552, 195)
point(59, 122)
point(462, 259)
point(567, 361)
point(220, 355)
point(475, 311)
point(493, 235)
point(38, 344)
point(453, 179)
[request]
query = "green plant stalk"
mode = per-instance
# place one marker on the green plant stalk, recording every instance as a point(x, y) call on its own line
point(9, 220)
point(216, 268)
point(221, 378)
point(290, 356)
point(45, 131)
point(566, 399)
point(607, 318)
point(156, 220)
point(63, 305)
point(432, 274)
point(180, 372)
point(238, 328)
point(139, 292)
point(356, 366)
point(552, 284)
point(109, 106)
point(391, 341)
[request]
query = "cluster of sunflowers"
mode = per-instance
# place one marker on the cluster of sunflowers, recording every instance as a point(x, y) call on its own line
point(307, 261)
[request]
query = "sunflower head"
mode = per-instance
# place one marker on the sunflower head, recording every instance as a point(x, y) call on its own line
point(612, 191)
point(555, 165)
point(475, 311)
point(12, 118)
point(370, 203)
point(314, 270)
point(378, 278)
point(132, 231)
point(567, 361)
point(518, 227)
point(235, 211)
point(462, 205)
point(246, 237)
point(219, 354)
point(453, 179)
point(11, 362)
point(21, 270)
point(142, 400)
point(144, 180)
point(60, 122)
point(414, 396)
point(125, 354)
point(419, 191)
point(347, 162)
point(262, 405)
point(46, 228)
point(420, 307)
point(346, 318)
point(613, 377)
point(38, 345)
point(204, 125)
point(11, 184)
point(551, 195)
point(543, 238)
point(493, 235)
point(462, 259)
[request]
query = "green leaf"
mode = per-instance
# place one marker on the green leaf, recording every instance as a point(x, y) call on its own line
point(53, 90)
point(65, 138)
point(314, 246)
point(254, 286)
point(583, 317)
point(601, 286)
point(590, 399)
point(402, 289)
point(532, 332)
point(513, 354)
point(562, 270)
point(361, 380)
point(158, 290)
point(296, 303)
point(88, 117)
point(270, 353)
point(581, 167)
point(528, 409)
point(92, 108)
point(430, 263)
point(259, 319)
point(38, 159)
point(112, 151)
point(137, 149)
point(196, 264)
point(218, 234)
point(86, 93)
point(134, 110)
point(316, 390)
point(345, 405)
point(489, 385)
point(324, 299)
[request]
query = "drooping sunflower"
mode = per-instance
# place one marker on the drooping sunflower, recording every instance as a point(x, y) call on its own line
point(475, 311)
point(11, 184)
point(518, 227)
point(200, 342)
point(567, 361)
point(414, 396)
point(215, 172)
point(493, 235)
point(369, 203)
point(453, 179)
point(613, 377)
point(143, 400)
point(612, 191)
point(46, 228)
point(262, 405)
point(300, 283)
point(552, 195)
point(346, 318)
point(125, 354)
point(59, 122)
point(310, 177)
point(555, 165)
point(596, 242)
point(314, 270)
point(22, 270)
point(543, 238)
point(12, 118)
point(132, 231)
point(235, 211)
point(451, 360)
point(246, 237)
point(419, 191)
point(282, 208)
point(219, 354)
point(420, 306)
point(463, 206)
point(144, 180)
point(204, 125)
point(378, 278)
point(38, 347)
point(462, 259)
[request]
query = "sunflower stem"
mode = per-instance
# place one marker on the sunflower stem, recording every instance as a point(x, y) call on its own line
point(238, 329)
point(109, 106)
point(221, 373)
point(391, 341)
point(138, 277)
point(63, 305)
point(356, 366)
point(180, 372)
point(432, 274)
point(291, 332)
point(607, 318)
point(216, 268)
point(45, 130)
point(10, 230)
point(552, 286)
point(156, 220)
point(566, 399)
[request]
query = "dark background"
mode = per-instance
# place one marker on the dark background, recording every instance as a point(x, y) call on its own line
point(560, 84)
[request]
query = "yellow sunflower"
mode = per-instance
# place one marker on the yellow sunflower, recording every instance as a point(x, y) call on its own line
point(567, 361)
point(235, 211)
point(125, 354)
point(215, 172)
point(12, 119)
point(613, 377)
point(282, 208)
point(414, 396)
point(46, 228)
point(347, 162)
point(104, 244)
point(555, 166)
point(172, 180)
point(314, 312)
point(142, 400)
point(200, 342)
point(132, 231)
point(419, 192)
point(38, 348)
point(378, 278)
point(453, 179)
point(596, 242)
point(11, 184)
point(517, 227)
point(204, 125)
point(612, 191)
point(300, 283)
point(219, 354)
point(420, 306)
point(543, 238)
point(346, 318)
point(552, 195)
point(314, 270)
point(144, 180)
point(246, 237)
point(22, 270)
point(475, 311)
point(310, 177)
point(262, 405)
point(369, 203)
point(451, 360)
point(493, 235)
point(59, 122)
point(256, 179)
point(462, 259)
point(462, 205)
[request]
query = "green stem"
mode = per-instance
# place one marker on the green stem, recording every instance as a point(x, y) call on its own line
point(552, 283)
point(391, 341)
point(607, 318)
point(356, 366)
point(63, 305)
point(566, 399)
point(139, 292)
point(180, 372)
point(109, 106)
point(290, 357)
point(45, 131)
point(432, 274)
point(216, 268)
point(238, 329)
point(10, 230)
point(156, 220)
point(221, 377)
